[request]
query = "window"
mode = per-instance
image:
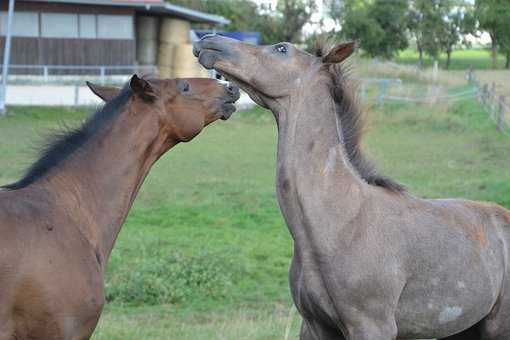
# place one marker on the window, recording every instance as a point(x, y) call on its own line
point(59, 25)
point(24, 24)
point(114, 26)
point(87, 26)
point(69, 25)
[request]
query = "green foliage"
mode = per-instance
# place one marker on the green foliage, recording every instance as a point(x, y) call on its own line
point(379, 25)
point(242, 14)
point(458, 21)
point(384, 27)
point(427, 24)
point(169, 279)
point(288, 22)
point(284, 23)
point(494, 18)
point(438, 26)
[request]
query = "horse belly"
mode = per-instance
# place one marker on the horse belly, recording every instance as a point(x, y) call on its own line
point(442, 305)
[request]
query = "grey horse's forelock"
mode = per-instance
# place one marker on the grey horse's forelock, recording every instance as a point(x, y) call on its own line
point(353, 122)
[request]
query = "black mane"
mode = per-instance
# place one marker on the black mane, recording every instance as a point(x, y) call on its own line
point(67, 142)
point(353, 125)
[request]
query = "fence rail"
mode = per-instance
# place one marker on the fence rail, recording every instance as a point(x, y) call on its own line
point(70, 82)
point(50, 73)
point(494, 103)
point(393, 89)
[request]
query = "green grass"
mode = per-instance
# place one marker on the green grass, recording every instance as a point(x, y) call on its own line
point(205, 238)
point(480, 59)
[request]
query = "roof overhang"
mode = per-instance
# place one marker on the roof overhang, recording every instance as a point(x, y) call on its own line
point(151, 6)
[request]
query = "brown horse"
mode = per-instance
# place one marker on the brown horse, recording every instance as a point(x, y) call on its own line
point(58, 224)
point(371, 261)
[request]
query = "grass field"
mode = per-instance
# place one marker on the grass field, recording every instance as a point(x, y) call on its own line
point(204, 253)
point(480, 59)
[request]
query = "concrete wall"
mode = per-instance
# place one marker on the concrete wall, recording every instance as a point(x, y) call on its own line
point(50, 95)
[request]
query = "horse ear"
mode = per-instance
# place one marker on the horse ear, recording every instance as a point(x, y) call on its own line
point(339, 53)
point(106, 93)
point(142, 88)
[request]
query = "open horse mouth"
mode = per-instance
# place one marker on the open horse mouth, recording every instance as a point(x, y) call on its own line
point(217, 52)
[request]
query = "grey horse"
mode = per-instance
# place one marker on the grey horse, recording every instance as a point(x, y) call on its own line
point(371, 261)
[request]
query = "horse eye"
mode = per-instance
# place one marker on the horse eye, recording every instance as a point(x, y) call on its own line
point(281, 48)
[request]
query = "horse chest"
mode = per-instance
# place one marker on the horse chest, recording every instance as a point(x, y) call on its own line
point(310, 294)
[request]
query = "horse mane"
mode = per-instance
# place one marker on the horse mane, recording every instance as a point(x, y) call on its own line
point(353, 124)
point(68, 141)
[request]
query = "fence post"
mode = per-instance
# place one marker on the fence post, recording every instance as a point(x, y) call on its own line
point(102, 72)
point(76, 95)
point(501, 112)
point(45, 73)
point(435, 70)
point(469, 75)
point(383, 86)
point(485, 90)
point(493, 99)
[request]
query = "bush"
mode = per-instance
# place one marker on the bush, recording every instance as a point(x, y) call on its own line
point(172, 279)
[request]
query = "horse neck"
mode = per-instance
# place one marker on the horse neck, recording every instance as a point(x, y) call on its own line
point(315, 179)
point(98, 185)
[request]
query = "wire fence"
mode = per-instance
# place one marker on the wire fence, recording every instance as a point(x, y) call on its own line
point(393, 89)
point(382, 90)
point(495, 104)
point(71, 79)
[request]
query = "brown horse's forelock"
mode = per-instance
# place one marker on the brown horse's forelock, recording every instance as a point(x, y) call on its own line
point(353, 125)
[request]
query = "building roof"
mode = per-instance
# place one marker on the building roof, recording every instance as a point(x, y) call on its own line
point(152, 6)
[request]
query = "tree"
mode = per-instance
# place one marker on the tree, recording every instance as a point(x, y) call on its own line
point(503, 35)
point(284, 23)
point(294, 15)
point(427, 23)
point(243, 15)
point(414, 24)
point(494, 17)
point(379, 25)
point(458, 22)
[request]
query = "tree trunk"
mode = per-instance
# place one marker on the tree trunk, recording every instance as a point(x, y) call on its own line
point(420, 52)
point(507, 64)
point(448, 58)
point(494, 51)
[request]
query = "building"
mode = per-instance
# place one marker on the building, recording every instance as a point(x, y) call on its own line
point(101, 33)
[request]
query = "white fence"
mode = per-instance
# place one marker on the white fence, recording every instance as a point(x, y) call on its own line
point(75, 74)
